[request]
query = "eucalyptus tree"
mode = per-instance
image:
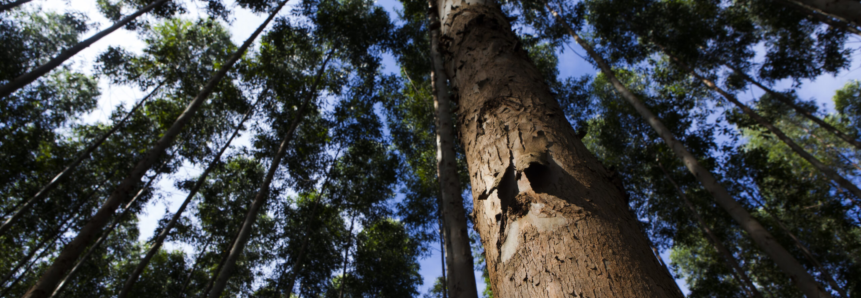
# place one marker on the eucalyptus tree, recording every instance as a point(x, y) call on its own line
point(385, 262)
point(71, 251)
point(14, 84)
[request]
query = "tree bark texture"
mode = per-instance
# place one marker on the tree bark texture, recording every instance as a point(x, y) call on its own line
point(728, 257)
point(70, 252)
point(27, 78)
point(758, 233)
point(551, 221)
point(798, 109)
point(132, 279)
point(71, 167)
point(263, 193)
point(461, 274)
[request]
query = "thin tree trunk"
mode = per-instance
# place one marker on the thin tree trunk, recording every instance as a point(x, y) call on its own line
point(822, 270)
point(299, 256)
point(26, 260)
point(798, 109)
point(552, 222)
point(105, 234)
point(30, 265)
point(194, 268)
point(442, 253)
point(848, 11)
point(12, 5)
point(221, 263)
point(347, 245)
point(830, 173)
point(71, 167)
point(461, 277)
point(728, 257)
point(263, 193)
point(130, 282)
point(27, 78)
point(758, 233)
point(71, 252)
point(829, 20)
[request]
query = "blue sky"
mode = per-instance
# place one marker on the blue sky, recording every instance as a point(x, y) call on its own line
point(570, 65)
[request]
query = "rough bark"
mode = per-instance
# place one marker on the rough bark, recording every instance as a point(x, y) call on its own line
point(848, 11)
point(70, 252)
point(20, 211)
point(551, 221)
point(738, 273)
point(829, 172)
point(798, 109)
point(263, 193)
point(461, 275)
point(130, 282)
point(12, 5)
point(27, 78)
point(758, 233)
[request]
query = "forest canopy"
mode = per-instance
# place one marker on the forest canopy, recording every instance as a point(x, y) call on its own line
point(451, 148)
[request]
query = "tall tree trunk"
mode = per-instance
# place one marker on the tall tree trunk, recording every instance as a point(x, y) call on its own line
point(848, 11)
point(105, 234)
point(798, 109)
point(347, 244)
point(442, 252)
point(12, 5)
point(130, 282)
point(830, 173)
point(61, 264)
point(194, 267)
point(301, 255)
point(263, 193)
point(27, 78)
point(551, 221)
point(461, 277)
point(738, 272)
point(827, 19)
point(71, 167)
point(758, 233)
point(812, 258)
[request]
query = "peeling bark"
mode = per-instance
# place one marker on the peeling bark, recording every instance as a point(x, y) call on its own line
point(551, 221)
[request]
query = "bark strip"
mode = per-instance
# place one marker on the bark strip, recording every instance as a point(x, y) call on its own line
point(27, 78)
point(784, 260)
point(71, 167)
point(70, 253)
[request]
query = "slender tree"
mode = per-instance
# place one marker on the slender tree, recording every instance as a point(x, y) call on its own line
point(12, 5)
point(727, 255)
point(461, 276)
point(801, 111)
point(71, 167)
point(760, 235)
point(27, 78)
point(844, 10)
point(263, 193)
point(62, 263)
point(127, 286)
point(829, 172)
